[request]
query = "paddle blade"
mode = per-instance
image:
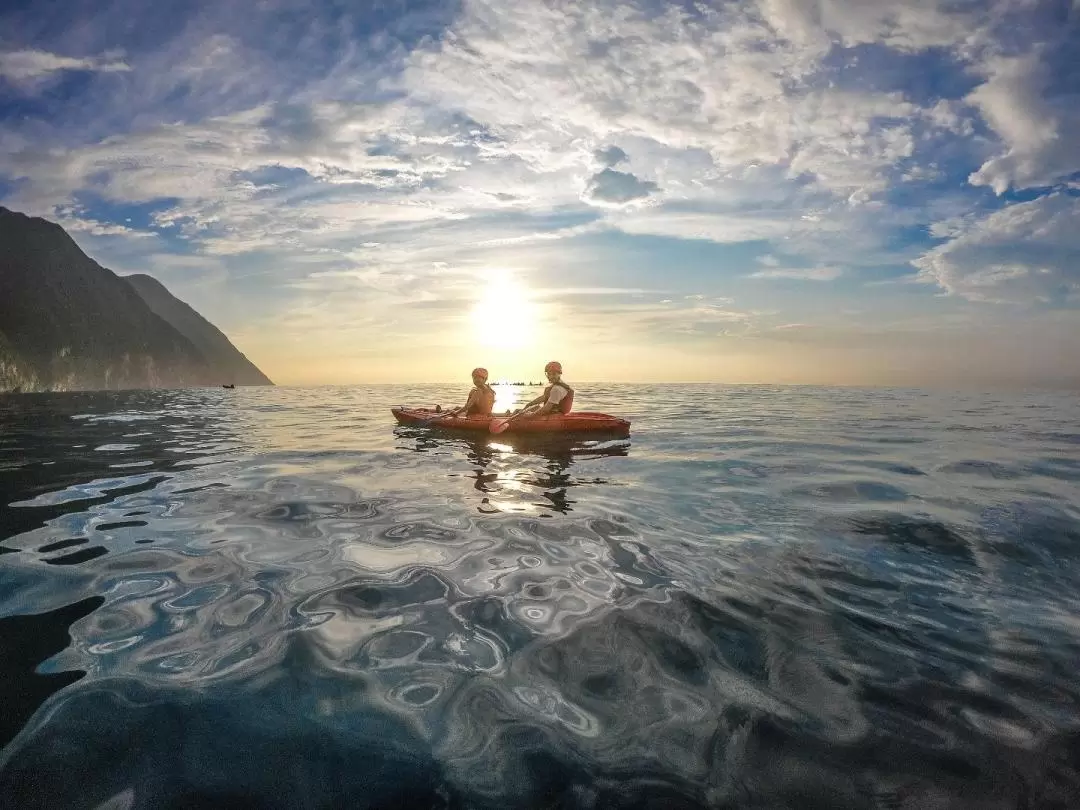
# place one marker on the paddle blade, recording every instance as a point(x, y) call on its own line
point(498, 426)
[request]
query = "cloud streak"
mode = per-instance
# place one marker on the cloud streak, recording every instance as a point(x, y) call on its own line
point(800, 273)
point(22, 66)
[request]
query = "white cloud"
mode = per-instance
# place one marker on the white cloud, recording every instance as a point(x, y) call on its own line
point(93, 227)
point(907, 26)
point(27, 65)
point(562, 292)
point(950, 116)
point(720, 226)
point(209, 167)
point(800, 273)
point(556, 83)
point(1022, 253)
point(1042, 147)
point(696, 318)
point(514, 107)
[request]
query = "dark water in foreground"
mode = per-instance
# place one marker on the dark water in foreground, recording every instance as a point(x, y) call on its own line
point(766, 598)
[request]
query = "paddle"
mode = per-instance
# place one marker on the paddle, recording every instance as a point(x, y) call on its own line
point(498, 426)
point(437, 417)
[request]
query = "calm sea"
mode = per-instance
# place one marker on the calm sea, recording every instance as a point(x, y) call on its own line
point(767, 597)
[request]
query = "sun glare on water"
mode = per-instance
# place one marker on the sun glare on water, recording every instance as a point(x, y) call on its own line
point(505, 316)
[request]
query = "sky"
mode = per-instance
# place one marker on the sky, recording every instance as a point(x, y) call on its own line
point(845, 192)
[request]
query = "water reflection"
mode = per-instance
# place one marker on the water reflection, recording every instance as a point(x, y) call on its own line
point(509, 463)
point(289, 602)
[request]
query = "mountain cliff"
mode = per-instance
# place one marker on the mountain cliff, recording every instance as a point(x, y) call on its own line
point(68, 323)
point(207, 338)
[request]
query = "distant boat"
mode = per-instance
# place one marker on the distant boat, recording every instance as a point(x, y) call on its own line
point(229, 386)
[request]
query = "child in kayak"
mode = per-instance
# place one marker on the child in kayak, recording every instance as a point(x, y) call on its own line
point(557, 397)
point(481, 398)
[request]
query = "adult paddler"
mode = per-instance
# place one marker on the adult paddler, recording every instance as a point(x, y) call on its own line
point(481, 398)
point(558, 397)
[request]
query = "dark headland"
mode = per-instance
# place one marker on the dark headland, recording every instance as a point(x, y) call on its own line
point(67, 323)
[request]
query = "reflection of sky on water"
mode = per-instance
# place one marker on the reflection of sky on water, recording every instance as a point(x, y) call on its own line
point(876, 593)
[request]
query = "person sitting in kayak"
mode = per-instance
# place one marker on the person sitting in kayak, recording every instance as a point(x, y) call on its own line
point(557, 397)
point(481, 398)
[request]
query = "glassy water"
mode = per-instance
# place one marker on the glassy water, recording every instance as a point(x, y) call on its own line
point(767, 597)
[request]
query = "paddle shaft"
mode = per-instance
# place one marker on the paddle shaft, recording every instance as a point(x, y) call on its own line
point(501, 425)
point(437, 417)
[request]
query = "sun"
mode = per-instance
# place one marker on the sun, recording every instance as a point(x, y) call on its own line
point(505, 316)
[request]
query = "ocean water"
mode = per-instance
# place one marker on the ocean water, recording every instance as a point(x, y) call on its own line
point(766, 597)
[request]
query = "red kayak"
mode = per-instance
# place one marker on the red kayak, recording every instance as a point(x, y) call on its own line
point(574, 422)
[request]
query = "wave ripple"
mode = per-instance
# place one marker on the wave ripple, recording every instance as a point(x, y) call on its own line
point(792, 597)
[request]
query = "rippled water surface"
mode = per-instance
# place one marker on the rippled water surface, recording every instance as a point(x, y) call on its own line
point(765, 598)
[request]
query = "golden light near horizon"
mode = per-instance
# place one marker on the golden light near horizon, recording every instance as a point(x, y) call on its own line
point(505, 316)
point(508, 397)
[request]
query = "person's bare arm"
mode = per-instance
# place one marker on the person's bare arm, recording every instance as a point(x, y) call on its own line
point(530, 404)
point(547, 407)
point(468, 404)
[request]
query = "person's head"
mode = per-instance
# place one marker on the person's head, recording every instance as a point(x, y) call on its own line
point(479, 376)
point(553, 370)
